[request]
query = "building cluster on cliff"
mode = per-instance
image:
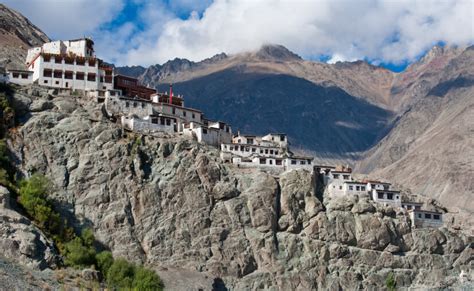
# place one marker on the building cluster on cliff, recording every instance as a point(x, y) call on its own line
point(72, 65)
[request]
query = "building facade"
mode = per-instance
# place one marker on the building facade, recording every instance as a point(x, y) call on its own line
point(71, 65)
point(422, 218)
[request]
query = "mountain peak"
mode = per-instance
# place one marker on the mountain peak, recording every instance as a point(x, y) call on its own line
point(276, 52)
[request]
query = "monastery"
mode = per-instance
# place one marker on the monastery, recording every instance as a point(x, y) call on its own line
point(339, 183)
point(72, 65)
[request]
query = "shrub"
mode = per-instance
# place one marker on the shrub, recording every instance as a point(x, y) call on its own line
point(104, 261)
point(88, 237)
point(146, 279)
point(390, 282)
point(120, 275)
point(78, 255)
point(34, 198)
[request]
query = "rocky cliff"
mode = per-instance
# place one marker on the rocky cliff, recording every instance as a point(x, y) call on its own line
point(172, 204)
point(17, 34)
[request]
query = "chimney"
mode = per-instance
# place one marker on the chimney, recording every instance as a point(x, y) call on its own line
point(171, 93)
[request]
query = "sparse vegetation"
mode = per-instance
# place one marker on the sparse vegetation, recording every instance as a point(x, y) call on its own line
point(390, 282)
point(125, 275)
point(80, 252)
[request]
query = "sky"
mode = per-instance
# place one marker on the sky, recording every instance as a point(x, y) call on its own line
point(391, 33)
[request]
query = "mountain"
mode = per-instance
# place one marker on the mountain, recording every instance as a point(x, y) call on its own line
point(334, 111)
point(171, 203)
point(431, 145)
point(17, 34)
point(132, 71)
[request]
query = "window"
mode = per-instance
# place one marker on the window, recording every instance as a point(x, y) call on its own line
point(46, 81)
point(408, 207)
point(351, 188)
point(362, 188)
point(293, 162)
point(193, 116)
point(419, 215)
point(91, 63)
point(278, 162)
point(46, 58)
point(436, 217)
point(57, 82)
point(57, 60)
point(231, 148)
point(340, 187)
point(47, 73)
point(302, 162)
point(254, 150)
point(24, 76)
point(380, 195)
point(68, 75)
point(173, 110)
point(390, 196)
point(226, 128)
point(427, 216)
point(250, 140)
point(91, 77)
point(184, 113)
point(336, 176)
point(58, 74)
point(417, 207)
point(69, 61)
point(204, 130)
point(79, 76)
point(276, 152)
point(261, 151)
point(271, 152)
point(80, 62)
point(397, 197)
point(271, 162)
point(168, 122)
point(16, 75)
point(282, 138)
point(309, 162)
point(154, 120)
point(143, 104)
point(134, 104)
point(357, 188)
point(247, 149)
point(262, 161)
point(266, 151)
point(127, 104)
point(345, 177)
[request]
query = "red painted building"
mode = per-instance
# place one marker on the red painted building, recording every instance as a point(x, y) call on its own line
point(131, 87)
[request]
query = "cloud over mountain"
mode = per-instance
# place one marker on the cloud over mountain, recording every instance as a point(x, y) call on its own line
point(380, 31)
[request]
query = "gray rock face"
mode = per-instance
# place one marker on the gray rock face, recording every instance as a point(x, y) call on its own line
point(20, 240)
point(172, 204)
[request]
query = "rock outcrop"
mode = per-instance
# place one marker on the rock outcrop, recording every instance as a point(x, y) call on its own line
point(17, 34)
point(172, 204)
point(21, 240)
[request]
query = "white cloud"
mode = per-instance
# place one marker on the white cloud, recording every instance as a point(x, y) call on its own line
point(389, 31)
point(378, 30)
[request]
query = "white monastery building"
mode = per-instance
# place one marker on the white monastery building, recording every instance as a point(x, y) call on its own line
point(269, 152)
point(69, 64)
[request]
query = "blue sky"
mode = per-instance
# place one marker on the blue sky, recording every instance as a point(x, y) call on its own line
point(139, 32)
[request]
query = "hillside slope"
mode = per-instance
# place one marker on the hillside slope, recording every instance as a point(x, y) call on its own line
point(431, 147)
point(172, 204)
point(17, 34)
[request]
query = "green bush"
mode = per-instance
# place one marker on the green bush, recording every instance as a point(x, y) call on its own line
point(78, 255)
point(120, 275)
point(104, 261)
point(146, 279)
point(34, 198)
point(390, 282)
